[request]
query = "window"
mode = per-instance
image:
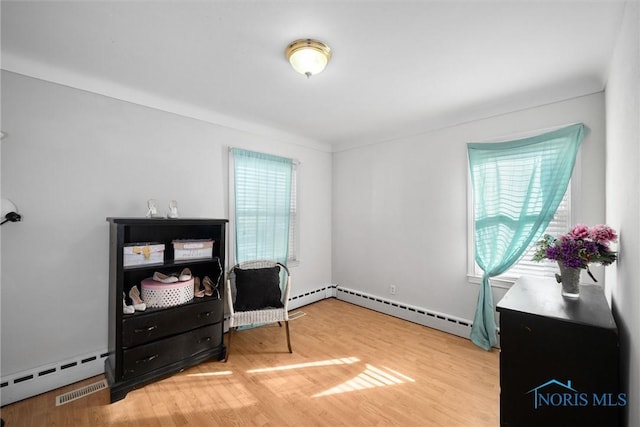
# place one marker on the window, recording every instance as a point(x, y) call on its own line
point(526, 267)
point(561, 139)
point(263, 206)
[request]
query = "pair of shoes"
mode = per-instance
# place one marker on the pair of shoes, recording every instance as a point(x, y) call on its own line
point(209, 287)
point(197, 292)
point(173, 209)
point(159, 277)
point(126, 309)
point(138, 304)
point(184, 275)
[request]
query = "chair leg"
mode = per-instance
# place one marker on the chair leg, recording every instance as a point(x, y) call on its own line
point(226, 355)
point(286, 324)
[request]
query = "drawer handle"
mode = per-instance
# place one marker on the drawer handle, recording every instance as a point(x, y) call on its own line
point(205, 339)
point(147, 359)
point(149, 329)
point(205, 314)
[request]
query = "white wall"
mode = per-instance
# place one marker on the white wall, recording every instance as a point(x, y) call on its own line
point(623, 196)
point(73, 158)
point(400, 208)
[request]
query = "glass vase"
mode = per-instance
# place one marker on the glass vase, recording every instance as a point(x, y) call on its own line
point(569, 277)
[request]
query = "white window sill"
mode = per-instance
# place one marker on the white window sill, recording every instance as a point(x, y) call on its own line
point(293, 263)
point(503, 283)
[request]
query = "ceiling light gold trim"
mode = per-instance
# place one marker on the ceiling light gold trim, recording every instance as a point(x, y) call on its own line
point(310, 46)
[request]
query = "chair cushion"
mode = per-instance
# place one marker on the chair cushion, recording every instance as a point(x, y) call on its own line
point(258, 288)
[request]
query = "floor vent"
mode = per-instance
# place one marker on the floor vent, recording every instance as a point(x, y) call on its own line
point(81, 392)
point(296, 315)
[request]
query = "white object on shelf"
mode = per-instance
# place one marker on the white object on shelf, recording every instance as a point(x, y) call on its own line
point(143, 254)
point(173, 209)
point(192, 249)
point(161, 295)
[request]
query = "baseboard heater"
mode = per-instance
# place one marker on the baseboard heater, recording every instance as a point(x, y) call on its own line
point(50, 377)
point(433, 319)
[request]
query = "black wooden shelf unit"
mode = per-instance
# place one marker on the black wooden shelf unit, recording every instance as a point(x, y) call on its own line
point(152, 344)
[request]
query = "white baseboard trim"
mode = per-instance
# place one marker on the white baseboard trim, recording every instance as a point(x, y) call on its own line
point(49, 377)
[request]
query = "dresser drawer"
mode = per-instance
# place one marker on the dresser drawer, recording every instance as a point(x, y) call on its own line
point(146, 358)
point(149, 326)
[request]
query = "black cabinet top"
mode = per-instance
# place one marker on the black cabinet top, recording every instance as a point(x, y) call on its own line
point(165, 221)
point(542, 297)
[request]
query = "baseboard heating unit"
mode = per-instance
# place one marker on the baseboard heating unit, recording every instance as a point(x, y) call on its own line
point(50, 377)
point(443, 322)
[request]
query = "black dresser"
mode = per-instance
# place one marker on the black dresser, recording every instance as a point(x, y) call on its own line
point(559, 358)
point(147, 346)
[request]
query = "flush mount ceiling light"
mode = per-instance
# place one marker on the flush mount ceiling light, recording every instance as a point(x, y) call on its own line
point(308, 56)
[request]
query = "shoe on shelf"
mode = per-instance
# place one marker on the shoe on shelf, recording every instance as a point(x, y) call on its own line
point(138, 304)
point(197, 292)
point(173, 210)
point(209, 287)
point(185, 275)
point(126, 309)
point(159, 277)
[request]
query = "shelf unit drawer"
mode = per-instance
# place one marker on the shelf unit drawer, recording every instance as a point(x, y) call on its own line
point(146, 358)
point(149, 326)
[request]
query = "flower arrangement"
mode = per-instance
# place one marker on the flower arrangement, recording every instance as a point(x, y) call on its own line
point(580, 247)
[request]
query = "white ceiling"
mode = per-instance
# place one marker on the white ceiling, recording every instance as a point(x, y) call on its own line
point(399, 68)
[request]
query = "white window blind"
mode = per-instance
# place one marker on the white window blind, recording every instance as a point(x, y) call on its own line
point(560, 224)
point(249, 188)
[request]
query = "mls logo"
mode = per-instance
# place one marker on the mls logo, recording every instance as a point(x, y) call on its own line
point(555, 393)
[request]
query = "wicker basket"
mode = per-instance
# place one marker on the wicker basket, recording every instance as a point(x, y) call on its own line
point(161, 295)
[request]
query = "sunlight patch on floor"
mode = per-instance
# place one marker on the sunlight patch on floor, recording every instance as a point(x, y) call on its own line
point(343, 361)
point(371, 377)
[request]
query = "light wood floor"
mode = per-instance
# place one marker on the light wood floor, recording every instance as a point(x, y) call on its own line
point(350, 367)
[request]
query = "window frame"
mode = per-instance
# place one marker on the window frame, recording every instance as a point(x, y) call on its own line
point(293, 258)
point(294, 218)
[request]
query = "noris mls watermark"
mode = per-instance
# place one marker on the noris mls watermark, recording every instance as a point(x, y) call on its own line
point(554, 393)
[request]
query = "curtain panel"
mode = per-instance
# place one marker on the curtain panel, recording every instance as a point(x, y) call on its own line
point(517, 187)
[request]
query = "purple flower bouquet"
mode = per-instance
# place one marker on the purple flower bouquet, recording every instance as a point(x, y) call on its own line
point(580, 247)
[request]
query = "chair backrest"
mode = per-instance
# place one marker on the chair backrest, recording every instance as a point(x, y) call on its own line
point(285, 279)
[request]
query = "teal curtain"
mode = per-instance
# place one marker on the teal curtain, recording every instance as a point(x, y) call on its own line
point(517, 187)
point(262, 187)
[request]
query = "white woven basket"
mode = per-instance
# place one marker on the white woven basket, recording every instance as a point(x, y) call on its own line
point(161, 295)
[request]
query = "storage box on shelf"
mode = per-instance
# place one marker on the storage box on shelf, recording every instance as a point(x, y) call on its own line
point(177, 330)
point(143, 254)
point(192, 249)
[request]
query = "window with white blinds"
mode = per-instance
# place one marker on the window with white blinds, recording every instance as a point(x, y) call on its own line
point(560, 224)
point(262, 200)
